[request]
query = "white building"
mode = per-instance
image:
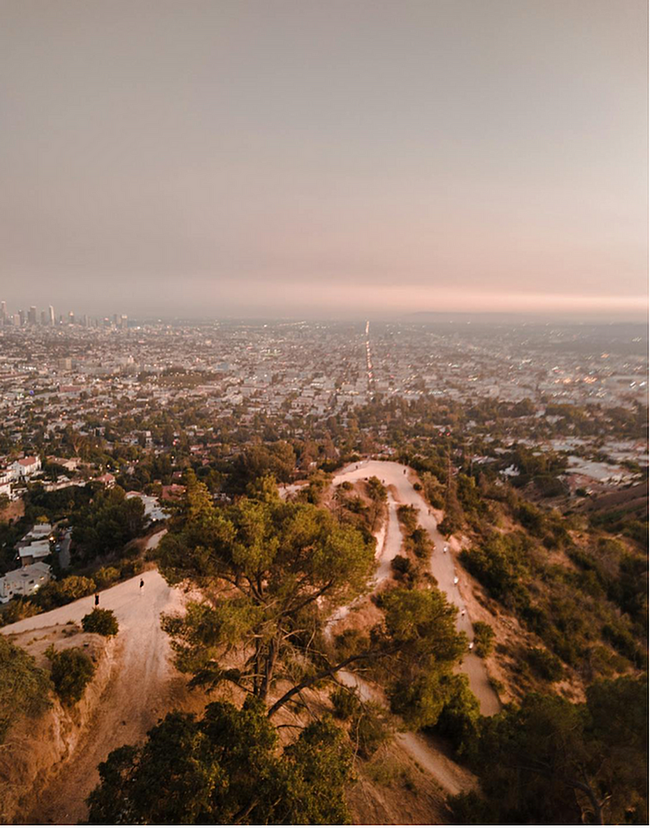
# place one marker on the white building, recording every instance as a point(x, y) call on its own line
point(25, 581)
point(35, 552)
point(39, 531)
point(26, 467)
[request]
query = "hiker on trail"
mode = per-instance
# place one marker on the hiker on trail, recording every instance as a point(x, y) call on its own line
point(462, 613)
point(97, 599)
point(141, 582)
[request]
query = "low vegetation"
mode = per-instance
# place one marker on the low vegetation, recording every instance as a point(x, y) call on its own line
point(551, 761)
point(101, 621)
point(71, 672)
point(24, 688)
point(483, 639)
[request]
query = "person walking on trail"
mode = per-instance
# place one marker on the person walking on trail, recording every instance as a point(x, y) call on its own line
point(97, 599)
point(141, 583)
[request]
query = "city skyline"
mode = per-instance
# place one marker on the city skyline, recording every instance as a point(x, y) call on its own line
point(44, 315)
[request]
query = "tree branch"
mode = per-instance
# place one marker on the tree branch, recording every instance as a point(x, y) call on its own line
point(330, 671)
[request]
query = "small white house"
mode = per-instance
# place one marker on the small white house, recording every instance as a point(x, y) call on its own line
point(36, 551)
point(25, 581)
point(39, 531)
point(26, 467)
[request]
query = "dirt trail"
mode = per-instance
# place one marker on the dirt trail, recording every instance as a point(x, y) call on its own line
point(442, 564)
point(389, 540)
point(451, 777)
point(143, 688)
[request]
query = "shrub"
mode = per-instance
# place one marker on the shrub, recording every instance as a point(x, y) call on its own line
point(376, 490)
point(408, 517)
point(498, 564)
point(369, 731)
point(385, 771)
point(101, 621)
point(346, 702)
point(433, 490)
point(401, 566)
point(70, 673)
point(24, 687)
point(459, 718)
point(131, 567)
point(58, 593)
point(106, 576)
point(623, 642)
point(483, 639)
point(16, 610)
point(545, 664)
point(420, 543)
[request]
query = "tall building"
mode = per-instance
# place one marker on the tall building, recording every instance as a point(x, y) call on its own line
point(71, 318)
point(22, 317)
point(44, 318)
point(31, 316)
point(51, 316)
point(3, 312)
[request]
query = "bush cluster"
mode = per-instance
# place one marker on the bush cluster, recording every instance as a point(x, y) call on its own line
point(24, 687)
point(71, 672)
point(101, 621)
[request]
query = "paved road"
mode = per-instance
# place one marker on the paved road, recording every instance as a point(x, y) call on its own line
point(139, 693)
point(442, 565)
point(64, 552)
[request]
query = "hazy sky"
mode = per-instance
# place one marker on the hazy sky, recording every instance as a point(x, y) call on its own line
point(328, 158)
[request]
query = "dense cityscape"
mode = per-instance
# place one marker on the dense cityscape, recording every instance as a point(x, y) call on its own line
point(294, 376)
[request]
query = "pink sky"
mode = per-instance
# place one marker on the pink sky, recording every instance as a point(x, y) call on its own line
point(301, 157)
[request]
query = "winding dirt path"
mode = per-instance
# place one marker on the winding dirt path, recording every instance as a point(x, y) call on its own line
point(442, 564)
point(143, 687)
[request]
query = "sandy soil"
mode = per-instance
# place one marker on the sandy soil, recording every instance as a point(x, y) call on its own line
point(143, 688)
point(394, 789)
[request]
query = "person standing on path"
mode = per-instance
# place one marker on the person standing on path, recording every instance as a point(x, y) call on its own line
point(141, 583)
point(97, 599)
